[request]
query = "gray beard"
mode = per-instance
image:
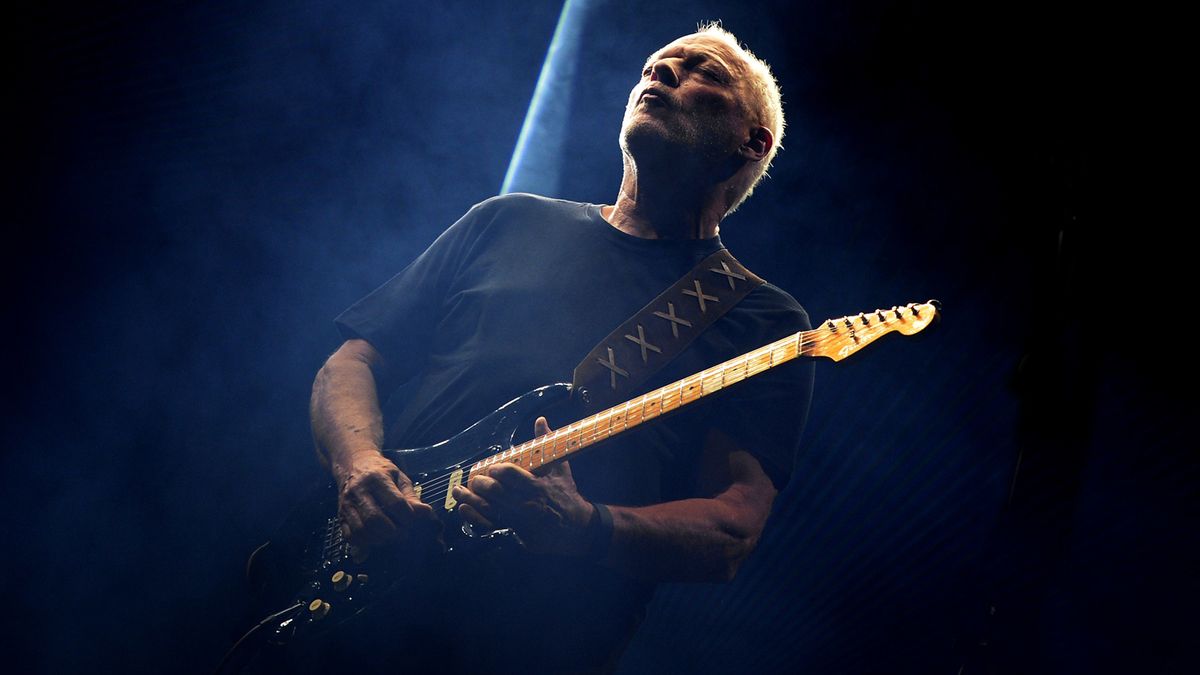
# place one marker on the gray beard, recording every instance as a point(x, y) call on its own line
point(672, 147)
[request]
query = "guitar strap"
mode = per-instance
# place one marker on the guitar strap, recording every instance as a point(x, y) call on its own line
point(650, 339)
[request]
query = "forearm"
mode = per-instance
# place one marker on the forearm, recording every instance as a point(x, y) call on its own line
point(344, 410)
point(688, 540)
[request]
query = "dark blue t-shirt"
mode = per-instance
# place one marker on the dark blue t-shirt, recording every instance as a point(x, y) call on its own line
point(512, 297)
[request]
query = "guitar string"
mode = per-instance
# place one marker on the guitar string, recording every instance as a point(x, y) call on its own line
point(440, 486)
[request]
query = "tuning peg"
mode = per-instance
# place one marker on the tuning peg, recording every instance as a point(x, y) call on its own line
point(879, 313)
point(915, 311)
point(896, 311)
point(849, 323)
point(864, 319)
point(831, 325)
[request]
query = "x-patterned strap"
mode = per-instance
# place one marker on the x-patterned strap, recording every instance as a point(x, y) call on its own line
point(618, 367)
point(700, 296)
point(729, 274)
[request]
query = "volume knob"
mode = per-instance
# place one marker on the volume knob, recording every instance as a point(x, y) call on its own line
point(318, 609)
point(341, 580)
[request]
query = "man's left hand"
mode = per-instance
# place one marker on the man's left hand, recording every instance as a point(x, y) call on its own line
point(547, 511)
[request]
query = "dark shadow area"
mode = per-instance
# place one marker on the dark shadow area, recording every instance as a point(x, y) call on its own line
point(199, 189)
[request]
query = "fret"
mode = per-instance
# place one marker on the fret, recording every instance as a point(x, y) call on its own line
point(616, 423)
point(690, 390)
point(653, 405)
point(535, 451)
point(633, 416)
point(606, 423)
point(805, 343)
point(710, 380)
point(736, 371)
point(778, 355)
point(757, 362)
point(574, 438)
point(670, 399)
point(602, 429)
point(560, 444)
point(587, 431)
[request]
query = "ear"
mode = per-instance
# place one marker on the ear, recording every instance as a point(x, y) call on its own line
point(758, 146)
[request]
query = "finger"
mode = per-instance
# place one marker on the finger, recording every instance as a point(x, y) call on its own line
point(474, 517)
point(422, 510)
point(408, 492)
point(392, 502)
point(476, 502)
point(559, 470)
point(512, 477)
point(351, 523)
point(498, 495)
point(376, 526)
point(541, 427)
point(385, 492)
point(484, 485)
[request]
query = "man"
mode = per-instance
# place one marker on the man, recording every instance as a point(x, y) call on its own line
point(510, 298)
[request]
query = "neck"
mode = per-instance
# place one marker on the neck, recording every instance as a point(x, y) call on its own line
point(668, 207)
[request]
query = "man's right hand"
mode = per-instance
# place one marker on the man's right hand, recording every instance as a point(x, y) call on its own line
point(376, 501)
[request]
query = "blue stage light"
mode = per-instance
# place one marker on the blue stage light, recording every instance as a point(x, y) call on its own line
point(537, 159)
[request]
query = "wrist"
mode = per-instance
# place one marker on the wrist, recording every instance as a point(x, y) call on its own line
point(344, 462)
point(599, 533)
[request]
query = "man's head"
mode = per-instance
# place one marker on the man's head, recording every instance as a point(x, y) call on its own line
point(706, 97)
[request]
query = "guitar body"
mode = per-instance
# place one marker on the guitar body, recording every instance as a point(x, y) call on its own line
point(309, 567)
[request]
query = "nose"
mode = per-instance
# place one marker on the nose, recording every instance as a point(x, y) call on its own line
point(663, 71)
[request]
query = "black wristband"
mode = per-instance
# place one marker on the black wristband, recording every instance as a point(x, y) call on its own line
point(600, 532)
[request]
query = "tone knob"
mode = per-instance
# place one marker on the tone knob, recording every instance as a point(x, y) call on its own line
point(318, 609)
point(341, 580)
point(361, 578)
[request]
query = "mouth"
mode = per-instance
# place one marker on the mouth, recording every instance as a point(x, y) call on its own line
point(654, 99)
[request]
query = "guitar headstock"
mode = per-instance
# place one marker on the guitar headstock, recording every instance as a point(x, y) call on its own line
point(839, 338)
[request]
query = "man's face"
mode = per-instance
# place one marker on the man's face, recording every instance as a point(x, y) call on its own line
point(693, 97)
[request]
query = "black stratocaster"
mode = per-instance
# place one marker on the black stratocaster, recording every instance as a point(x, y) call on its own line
point(309, 570)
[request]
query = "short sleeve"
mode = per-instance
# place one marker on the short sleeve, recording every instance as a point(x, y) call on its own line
point(399, 317)
point(766, 417)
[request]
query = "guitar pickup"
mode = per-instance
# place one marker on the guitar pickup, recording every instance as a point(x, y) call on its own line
point(455, 481)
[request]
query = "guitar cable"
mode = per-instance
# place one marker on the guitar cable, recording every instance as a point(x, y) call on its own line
point(233, 650)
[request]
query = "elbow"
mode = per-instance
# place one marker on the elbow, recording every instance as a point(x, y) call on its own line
point(740, 523)
point(737, 549)
point(737, 534)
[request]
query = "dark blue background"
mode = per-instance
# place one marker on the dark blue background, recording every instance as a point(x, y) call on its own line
point(199, 188)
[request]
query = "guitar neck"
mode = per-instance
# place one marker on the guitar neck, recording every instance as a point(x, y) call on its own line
point(562, 443)
point(835, 339)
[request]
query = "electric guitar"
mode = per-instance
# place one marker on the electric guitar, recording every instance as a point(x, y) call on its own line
point(311, 571)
